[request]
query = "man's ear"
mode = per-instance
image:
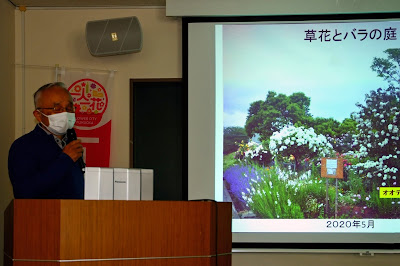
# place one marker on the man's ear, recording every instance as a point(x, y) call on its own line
point(37, 115)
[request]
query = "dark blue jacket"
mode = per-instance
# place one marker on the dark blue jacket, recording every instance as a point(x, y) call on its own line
point(38, 169)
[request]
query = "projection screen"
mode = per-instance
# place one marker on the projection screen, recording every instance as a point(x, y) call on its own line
point(294, 119)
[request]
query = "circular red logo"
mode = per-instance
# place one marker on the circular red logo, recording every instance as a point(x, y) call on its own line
point(90, 101)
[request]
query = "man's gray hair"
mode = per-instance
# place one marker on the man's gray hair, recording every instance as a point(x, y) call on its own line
point(45, 87)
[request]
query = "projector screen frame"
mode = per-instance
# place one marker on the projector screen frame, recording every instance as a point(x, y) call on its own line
point(186, 21)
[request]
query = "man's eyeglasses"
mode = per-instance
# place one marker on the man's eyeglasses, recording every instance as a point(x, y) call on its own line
point(60, 109)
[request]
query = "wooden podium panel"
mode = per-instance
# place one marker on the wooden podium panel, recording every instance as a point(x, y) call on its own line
point(125, 233)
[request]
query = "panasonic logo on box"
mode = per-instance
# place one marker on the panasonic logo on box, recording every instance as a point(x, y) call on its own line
point(126, 184)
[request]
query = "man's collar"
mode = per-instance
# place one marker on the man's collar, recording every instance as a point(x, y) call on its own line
point(60, 142)
point(45, 130)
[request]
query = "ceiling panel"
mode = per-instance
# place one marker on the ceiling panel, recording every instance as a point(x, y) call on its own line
point(87, 3)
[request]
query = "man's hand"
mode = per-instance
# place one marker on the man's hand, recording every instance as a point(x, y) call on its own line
point(74, 149)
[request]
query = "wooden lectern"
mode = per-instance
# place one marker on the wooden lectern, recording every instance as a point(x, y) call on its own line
point(118, 233)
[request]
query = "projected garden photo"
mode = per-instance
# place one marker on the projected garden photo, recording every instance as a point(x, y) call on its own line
point(291, 101)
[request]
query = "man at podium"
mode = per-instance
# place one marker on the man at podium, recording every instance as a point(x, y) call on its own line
point(46, 162)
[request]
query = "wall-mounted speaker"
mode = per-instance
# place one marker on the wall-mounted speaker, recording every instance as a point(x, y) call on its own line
point(114, 36)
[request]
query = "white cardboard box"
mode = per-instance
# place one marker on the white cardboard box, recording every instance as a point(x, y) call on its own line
point(99, 182)
point(126, 184)
point(146, 184)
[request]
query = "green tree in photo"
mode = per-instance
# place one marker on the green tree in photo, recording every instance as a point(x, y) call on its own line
point(348, 125)
point(277, 111)
point(338, 134)
point(388, 68)
point(326, 126)
point(233, 136)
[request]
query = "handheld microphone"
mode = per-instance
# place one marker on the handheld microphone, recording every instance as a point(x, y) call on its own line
point(71, 134)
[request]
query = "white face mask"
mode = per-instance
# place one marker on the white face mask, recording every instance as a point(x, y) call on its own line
point(60, 123)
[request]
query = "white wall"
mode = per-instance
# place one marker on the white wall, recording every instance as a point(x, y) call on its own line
point(58, 37)
point(7, 44)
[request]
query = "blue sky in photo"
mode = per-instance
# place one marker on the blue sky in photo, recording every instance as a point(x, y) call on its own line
point(334, 74)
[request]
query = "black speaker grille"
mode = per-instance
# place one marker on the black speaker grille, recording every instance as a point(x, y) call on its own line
point(114, 36)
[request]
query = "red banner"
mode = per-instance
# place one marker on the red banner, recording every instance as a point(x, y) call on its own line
point(91, 96)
